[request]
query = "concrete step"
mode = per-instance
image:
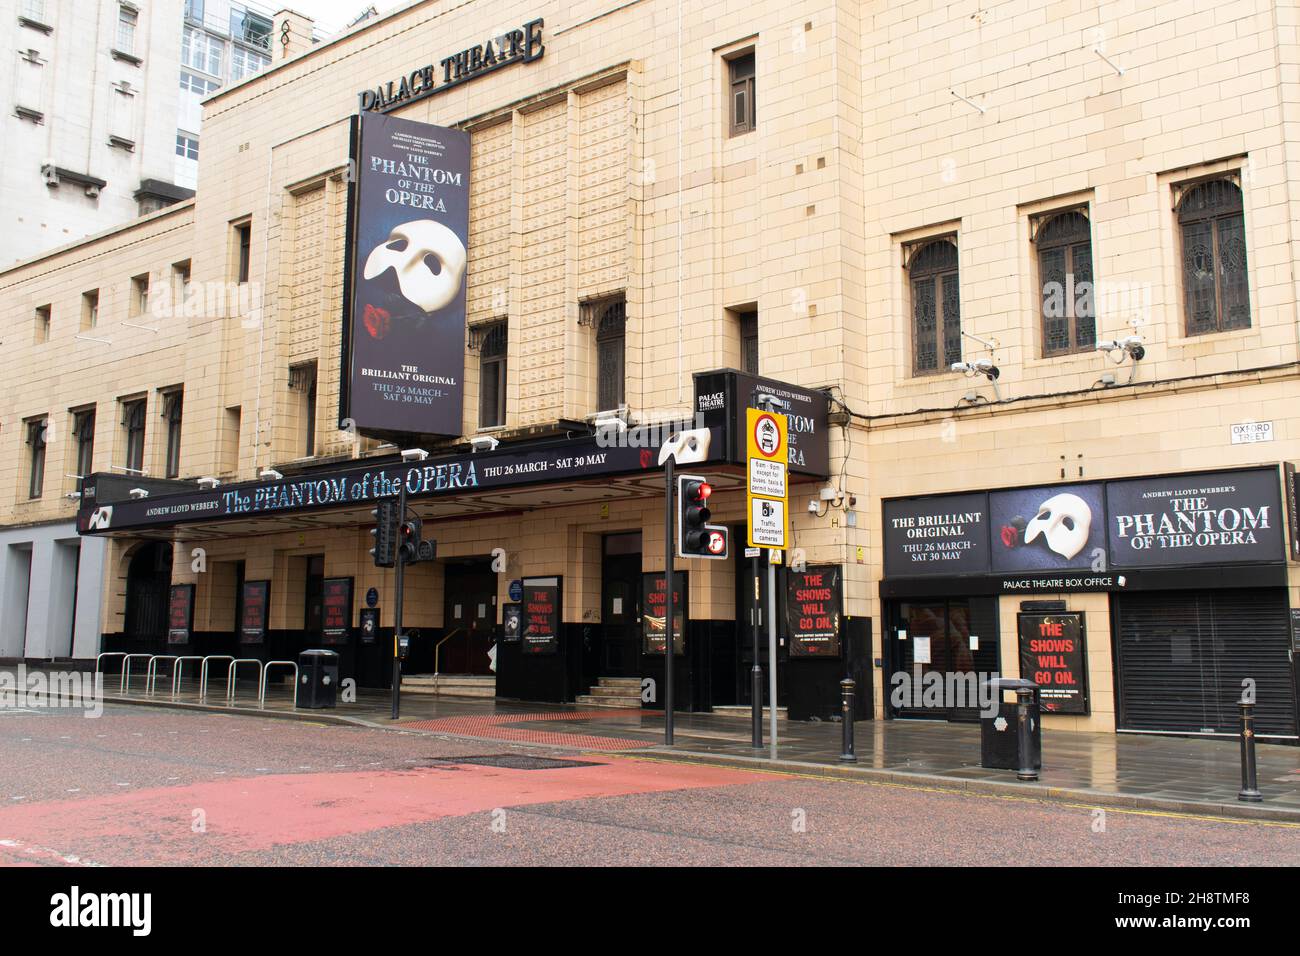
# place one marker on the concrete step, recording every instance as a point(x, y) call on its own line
point(450, 685)
point(625, 683)
point(744, 711)
point(602, 690)
point(590, 700)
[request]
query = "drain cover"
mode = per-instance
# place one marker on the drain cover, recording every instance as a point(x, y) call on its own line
point(513, 762)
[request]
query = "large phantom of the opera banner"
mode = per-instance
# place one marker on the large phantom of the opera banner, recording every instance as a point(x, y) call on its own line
point(404, 321)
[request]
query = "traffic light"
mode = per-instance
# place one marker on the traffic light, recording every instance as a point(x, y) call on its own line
point(408, 540)
point(384, 532)
point(696, 538)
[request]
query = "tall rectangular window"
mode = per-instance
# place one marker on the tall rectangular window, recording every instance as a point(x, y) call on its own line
point(140, 295)
point(492, 376)
point(126, 22)
point(1212, 230)
point(43, 314)
point(302, 381)
point(34, 10)
point(1063, 241)
point(608, 317)
point(173, 403)
point(89, 310)
point(133, 433)
point(83, 433)
point(749, 342)
point(243, 250)
point(35, 428)
point(935, 306)
point(743, 115)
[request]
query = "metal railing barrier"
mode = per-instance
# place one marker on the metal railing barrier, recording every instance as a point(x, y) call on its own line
point(261, 696)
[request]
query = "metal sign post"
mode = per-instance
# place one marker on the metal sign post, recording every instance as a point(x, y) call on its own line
point(670, 603)
point(771, 649)
point(767, 502)
point(397, 610)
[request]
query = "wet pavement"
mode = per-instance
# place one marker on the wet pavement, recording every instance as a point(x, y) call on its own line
point(1190, 775)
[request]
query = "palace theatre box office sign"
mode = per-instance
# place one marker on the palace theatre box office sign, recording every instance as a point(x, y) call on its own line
point(1196, 565)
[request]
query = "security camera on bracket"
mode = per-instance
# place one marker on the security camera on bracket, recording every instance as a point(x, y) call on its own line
point(1129, 347)
point(981, 366)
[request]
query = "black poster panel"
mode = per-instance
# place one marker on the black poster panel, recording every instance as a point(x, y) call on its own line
point(944, 535)
point(1292, 508)
point(369, 625)
point(654, 603)
point(541, 620)
point(1053, 654)
point(405, 320)
point(1048, 529)
point(1216, 518)
point(813, 602)
point(722, 396)
point(180, 613)
point(336, 604)
point(257, 609)
point(511, 619)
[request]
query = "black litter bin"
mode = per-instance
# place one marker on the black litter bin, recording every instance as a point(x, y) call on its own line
point(1000, 736)
point(318, 678)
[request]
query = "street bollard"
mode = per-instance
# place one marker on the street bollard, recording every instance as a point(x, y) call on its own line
point(846, 698)
point(1024, 735)
point(1249, 780)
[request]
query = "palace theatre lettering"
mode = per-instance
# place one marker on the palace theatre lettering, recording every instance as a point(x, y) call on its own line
point(522, 45)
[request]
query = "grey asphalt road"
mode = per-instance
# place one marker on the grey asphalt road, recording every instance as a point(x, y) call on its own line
point(154, 786)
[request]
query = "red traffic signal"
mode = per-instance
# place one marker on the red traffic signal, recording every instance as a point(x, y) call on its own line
point(696, 538)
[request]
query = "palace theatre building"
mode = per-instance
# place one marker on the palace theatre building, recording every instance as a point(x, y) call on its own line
point(1041, 375)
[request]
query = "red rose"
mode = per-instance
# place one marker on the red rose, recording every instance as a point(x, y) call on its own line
point(376, 321)
point(1010, 535)
point(645, 457)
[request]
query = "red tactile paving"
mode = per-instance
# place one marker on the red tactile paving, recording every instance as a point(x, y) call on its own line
point(497, 727)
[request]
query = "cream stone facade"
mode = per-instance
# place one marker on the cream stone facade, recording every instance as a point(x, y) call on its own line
point(609, 167)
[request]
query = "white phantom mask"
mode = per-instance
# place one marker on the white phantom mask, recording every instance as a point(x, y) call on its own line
point(405, 251)
point(1064, 520)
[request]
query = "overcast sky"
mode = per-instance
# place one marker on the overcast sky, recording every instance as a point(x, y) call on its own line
point(333, 15)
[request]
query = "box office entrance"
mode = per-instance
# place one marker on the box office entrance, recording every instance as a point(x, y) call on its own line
point(950, 643)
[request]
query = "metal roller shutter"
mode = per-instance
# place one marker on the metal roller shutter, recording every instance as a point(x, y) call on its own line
point(1182, 657)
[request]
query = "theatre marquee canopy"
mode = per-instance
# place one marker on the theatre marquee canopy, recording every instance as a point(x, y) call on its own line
point(107, 506)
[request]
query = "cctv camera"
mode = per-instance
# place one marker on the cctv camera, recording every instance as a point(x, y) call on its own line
point(270, 473)
point(483, 443)
point(812, 506)
point(414, 454)
point(139, 493)
point(208, 482)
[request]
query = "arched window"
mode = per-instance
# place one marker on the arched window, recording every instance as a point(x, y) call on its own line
point(1216, 296)
point(936, 306)
point(1064, 243)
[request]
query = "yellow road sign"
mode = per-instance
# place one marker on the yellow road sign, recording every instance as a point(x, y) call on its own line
point(766, 485)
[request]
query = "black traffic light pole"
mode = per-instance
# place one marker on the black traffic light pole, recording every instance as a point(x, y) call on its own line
point(397, 610)
point(670, 602)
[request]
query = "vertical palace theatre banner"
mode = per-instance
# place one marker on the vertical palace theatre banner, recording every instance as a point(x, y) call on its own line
point(404, 305)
